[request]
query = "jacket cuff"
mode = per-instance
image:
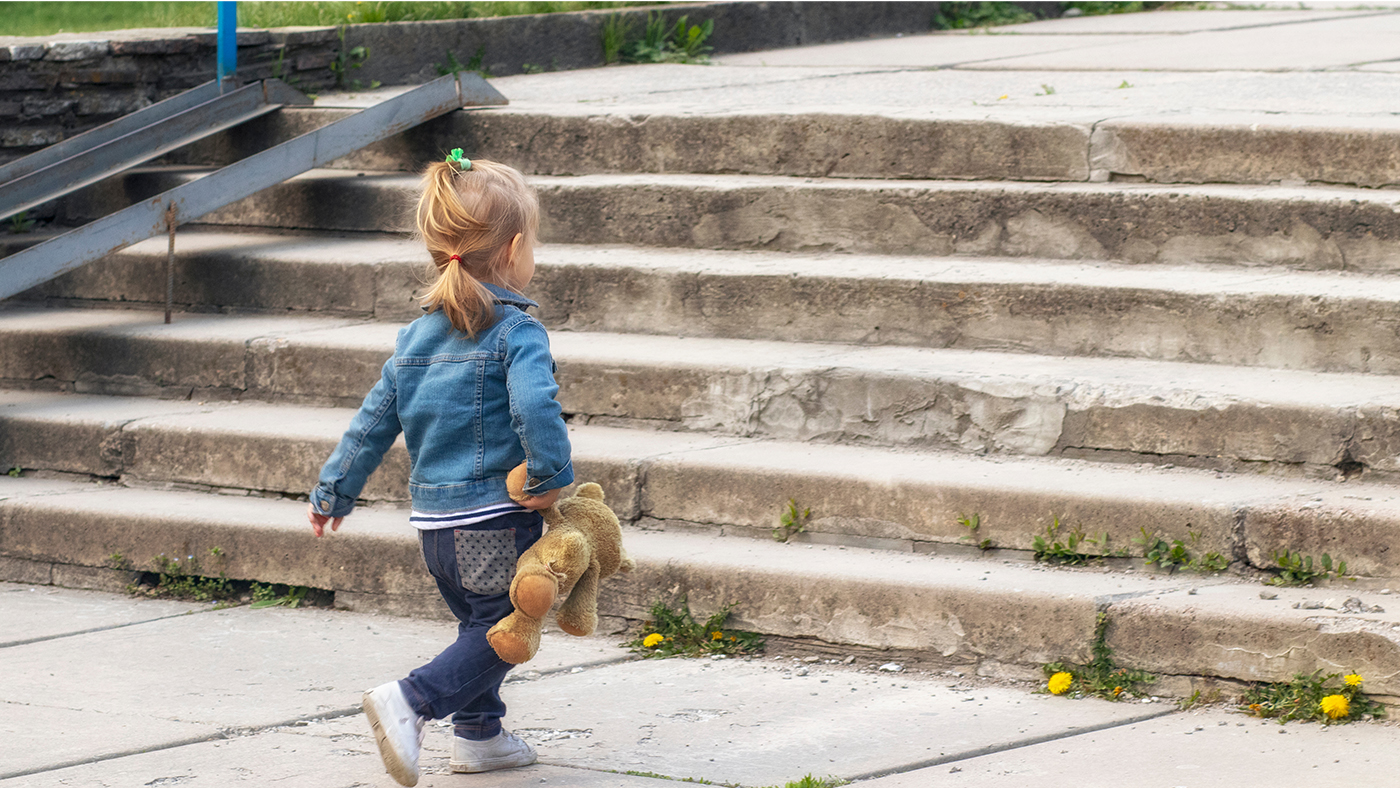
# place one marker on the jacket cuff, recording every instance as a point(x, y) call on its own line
point(329, 504)
point(563, 478)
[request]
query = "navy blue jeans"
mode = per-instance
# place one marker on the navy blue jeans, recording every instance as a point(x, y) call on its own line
point(473, 567)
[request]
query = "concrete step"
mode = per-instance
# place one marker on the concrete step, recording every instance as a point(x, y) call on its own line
point(868, 497)
point(1000, 619)
point(866, 142)
point(1316, 228)
point(1321, 321)
point(1213, 416)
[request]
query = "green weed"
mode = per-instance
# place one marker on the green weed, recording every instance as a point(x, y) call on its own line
point(14, 472)
point(661, 42)
point(1176, 553)
point(1198, 699)
point(807, 781)
point(1101, 677)
point(1103, 8)
point(276, 595)
point(118, 561)
point(347, 60)
point(962, 16)
point(1296, 569)
point(656, 776)
point(474, 63)
point(617, 30)
point(972, 524)
point(1124, 85)
point(676, 633)
point(791, 522)
point(1046, 90)
point(178, 579)
point(1049, 549)
point(1308, 697)
point(20, 223)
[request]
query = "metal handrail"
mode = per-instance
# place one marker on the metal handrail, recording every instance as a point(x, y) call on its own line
point(93, 157)
point(189, 201)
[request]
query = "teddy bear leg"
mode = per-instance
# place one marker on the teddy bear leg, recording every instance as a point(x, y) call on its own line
point(515, 638)
point(534, 594)
point(579, 613)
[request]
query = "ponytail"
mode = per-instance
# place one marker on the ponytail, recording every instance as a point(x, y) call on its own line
point(468, 220)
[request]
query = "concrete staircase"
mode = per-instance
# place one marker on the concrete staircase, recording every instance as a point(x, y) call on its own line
point(965, 319)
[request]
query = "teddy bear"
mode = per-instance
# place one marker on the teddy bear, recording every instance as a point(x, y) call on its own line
point(582, 546)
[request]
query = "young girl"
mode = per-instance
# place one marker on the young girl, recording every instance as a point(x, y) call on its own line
point(471, 386)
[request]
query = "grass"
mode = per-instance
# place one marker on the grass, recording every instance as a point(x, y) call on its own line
point(38, 19)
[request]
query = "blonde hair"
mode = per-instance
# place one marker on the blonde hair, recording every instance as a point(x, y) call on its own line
point(474, 215)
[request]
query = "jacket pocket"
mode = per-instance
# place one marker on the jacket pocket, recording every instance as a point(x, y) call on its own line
point(485, 559)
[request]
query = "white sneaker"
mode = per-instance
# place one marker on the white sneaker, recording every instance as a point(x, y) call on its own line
point(504, 751)
point(398, 729)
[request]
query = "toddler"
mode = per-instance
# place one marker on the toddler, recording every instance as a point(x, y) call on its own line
point(471, 386)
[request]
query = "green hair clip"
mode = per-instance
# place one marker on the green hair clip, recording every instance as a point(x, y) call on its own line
point(462, 162)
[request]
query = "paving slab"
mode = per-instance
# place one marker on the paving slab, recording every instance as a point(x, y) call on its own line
point(171, 680)
point(335, 753)
point(1079, 96)
point(1176, 21)
point(1326, 44)
point(30, 613)
point(1328, 41)
point(1191, 750)
point(768, 722)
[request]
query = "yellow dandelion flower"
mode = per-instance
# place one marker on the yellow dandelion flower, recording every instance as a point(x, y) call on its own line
point(1004, 97)
point(716, 636)
point(1352, 680)
point(1336, 706)
point(1117, 691)
point(653, 640)
point(1059, 683)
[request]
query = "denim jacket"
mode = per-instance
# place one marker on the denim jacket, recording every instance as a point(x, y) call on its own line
point(470, 411)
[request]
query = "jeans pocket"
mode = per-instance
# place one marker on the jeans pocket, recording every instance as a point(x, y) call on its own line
point(485, 559)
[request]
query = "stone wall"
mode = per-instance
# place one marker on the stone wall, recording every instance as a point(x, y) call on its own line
point(50, 90)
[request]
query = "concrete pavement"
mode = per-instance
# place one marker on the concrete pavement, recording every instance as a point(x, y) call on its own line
point(125, 692)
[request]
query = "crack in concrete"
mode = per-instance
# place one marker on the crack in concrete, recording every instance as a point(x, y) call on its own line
point(108, 628)
point(992, 749)
point(220, 735)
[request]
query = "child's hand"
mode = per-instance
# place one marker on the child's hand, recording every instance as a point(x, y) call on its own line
point(537, 502)
point(318, 521)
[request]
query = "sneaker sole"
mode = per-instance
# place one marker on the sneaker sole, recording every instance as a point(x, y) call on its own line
point(393, 761)
point(488, 766)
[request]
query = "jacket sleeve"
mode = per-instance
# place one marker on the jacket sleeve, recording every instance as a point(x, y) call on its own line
point(535, 414)
point(361, 449)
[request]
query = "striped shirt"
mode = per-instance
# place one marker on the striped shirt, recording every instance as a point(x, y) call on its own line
point(437, 520)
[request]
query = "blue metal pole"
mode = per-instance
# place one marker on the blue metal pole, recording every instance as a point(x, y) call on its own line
point(227, 39)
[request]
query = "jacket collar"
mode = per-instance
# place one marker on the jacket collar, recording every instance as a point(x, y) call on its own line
point(508, 298)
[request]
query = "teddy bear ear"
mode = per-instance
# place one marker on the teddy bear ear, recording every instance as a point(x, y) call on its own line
point(590, 490)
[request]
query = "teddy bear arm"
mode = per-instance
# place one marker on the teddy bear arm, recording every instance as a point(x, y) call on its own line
point(579, 613)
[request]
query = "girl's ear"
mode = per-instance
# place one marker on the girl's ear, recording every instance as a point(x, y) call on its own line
point(515, 245)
